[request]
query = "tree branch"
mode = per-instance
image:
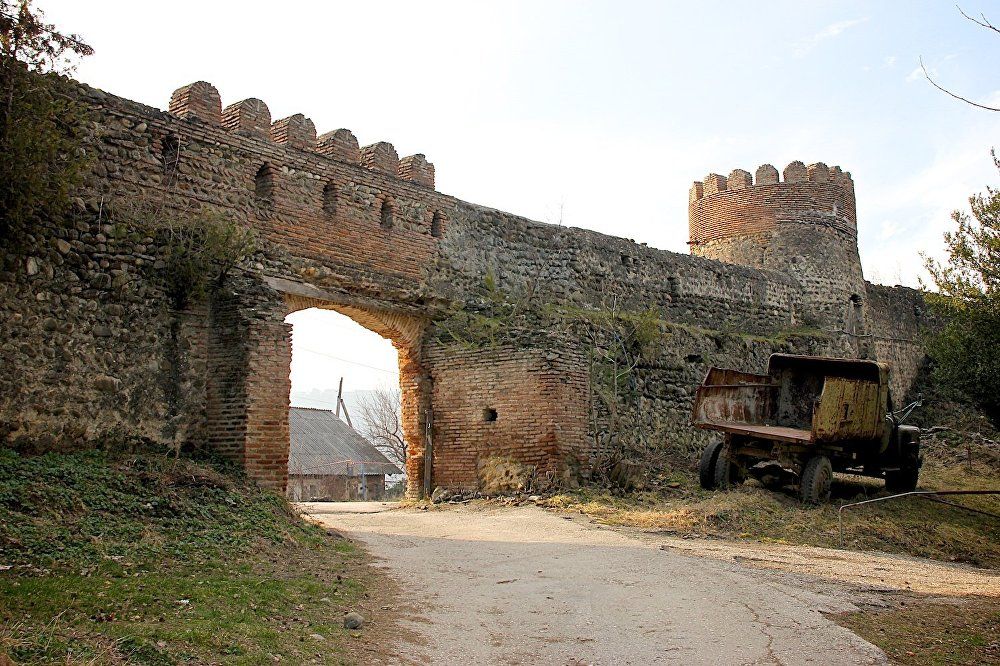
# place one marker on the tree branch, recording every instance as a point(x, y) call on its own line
point(985, 23)
point(950, 93)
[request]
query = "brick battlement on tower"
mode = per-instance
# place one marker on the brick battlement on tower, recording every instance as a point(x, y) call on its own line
point(741, 204)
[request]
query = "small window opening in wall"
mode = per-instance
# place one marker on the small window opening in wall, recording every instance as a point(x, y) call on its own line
point(263, 185)
point(330, 199)
point(436, 225)
point(856, 300)
point(385, 214)
point(170, 149)
point(489, 415)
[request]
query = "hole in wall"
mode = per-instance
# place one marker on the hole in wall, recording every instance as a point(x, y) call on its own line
point(489, 415)
point(170, 150)
point(263, 185)
point(674, 284)
point(385, 214)
point(330, 199)
point(346, 425)
point(436, 225)
point(694, 358)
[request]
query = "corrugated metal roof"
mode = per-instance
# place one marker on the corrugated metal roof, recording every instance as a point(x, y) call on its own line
point(323, 444)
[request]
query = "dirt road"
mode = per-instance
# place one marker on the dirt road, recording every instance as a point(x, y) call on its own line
point(526, 586)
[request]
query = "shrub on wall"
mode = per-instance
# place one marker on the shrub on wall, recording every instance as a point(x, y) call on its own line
point(196, 249)
point(40, 121)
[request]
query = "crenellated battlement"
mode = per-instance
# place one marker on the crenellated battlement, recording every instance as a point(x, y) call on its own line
point(744, 204)
point(201, 101)
point(767, 175)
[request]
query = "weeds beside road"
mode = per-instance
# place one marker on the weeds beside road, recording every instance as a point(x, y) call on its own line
point(911, 628)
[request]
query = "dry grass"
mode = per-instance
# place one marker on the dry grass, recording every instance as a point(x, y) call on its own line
point(912, 526)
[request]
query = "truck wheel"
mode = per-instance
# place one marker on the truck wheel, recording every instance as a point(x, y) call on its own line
point(817, 478)
point(728, 472)
point(902, 480)
point(706, 466)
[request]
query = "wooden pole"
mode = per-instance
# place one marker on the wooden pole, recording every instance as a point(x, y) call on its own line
point(340, 392)
point(341, 403)
point(428, 452)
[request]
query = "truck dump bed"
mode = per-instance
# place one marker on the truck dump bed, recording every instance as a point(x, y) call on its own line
point(801, 399)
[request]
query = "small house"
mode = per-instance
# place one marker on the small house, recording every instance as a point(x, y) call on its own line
point(328, 460)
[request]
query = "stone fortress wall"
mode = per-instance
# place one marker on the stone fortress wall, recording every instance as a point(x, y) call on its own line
point(93, 348)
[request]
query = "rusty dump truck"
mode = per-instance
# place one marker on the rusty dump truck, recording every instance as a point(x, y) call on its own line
point(806, 418)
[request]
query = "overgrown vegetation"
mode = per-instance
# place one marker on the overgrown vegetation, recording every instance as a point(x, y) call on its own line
point(150, 560)
point(196, 248)
point(966, 349)
point(953, 460)
point(628, 351)
point(500, 317)
point(40, 121)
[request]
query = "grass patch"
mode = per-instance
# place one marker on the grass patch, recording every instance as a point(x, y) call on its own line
point(922, 633)
point(911, 526)
point(144, 559)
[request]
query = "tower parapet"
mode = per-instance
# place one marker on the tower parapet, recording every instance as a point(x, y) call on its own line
point(725, 213)
point(803, 223)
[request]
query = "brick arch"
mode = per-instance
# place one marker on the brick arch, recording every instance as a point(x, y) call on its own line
point(406, 333)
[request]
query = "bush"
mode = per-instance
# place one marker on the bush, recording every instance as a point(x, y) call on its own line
point(196, 248)
point(40, 120)
point(966, 350)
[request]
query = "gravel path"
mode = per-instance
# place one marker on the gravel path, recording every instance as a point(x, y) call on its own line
point(525, 586)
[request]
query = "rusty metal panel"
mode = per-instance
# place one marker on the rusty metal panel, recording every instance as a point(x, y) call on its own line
point(728, 396)
point(848, 409)
point(726, 376)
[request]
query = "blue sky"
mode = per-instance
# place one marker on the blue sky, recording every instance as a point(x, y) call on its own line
point(599, 114)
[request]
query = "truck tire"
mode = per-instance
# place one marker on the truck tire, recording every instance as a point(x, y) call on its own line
point(816, 481)
point(905, 478)
point(728, 473)
point(902, 480)
point(706, 466)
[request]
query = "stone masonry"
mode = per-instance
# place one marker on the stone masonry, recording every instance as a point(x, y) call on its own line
point(94, 351)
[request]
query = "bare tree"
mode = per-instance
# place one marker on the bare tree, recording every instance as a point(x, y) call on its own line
point(982, 22)
point(383, 424)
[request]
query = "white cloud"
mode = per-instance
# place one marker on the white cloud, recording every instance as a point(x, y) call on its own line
point(831, 31)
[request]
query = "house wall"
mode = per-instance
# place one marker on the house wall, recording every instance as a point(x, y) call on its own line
point(334, 488)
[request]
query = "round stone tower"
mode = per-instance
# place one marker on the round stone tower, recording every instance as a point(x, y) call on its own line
point(803, 224)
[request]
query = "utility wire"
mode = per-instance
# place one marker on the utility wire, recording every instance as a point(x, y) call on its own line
point(344, 360)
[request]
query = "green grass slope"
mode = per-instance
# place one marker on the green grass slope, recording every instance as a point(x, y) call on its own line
point(150, 560)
